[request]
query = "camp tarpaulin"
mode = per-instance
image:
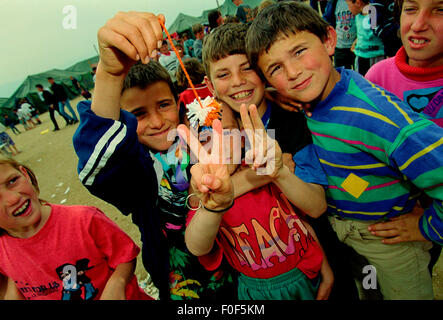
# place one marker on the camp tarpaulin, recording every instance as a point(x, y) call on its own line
point(184, 22)
point(81, 71)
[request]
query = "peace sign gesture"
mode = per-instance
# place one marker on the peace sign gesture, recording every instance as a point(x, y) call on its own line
point(210, 180)
point(264, 154)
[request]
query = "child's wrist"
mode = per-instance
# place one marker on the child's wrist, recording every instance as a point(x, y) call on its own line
point(281, 173)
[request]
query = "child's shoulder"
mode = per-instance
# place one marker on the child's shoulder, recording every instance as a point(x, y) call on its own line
point(76, 212)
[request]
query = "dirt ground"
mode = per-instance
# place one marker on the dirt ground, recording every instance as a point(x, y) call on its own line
point(52, 157)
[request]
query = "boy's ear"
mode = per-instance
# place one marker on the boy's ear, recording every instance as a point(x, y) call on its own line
point(330, 41)
point(210, 86)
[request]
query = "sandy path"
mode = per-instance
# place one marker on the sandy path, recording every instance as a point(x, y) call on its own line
point(52, 157)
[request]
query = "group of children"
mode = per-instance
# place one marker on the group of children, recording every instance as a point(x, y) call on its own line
point(365, 163)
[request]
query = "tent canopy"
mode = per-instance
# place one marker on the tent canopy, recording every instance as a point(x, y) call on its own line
point(81, 71)
point(184, 22)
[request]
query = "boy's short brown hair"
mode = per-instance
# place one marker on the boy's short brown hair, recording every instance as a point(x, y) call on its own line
point(225, 40)
point(282, 18)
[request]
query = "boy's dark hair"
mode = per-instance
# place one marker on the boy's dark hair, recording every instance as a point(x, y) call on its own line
point(39, 86)
point(195, 71)
point(142, 75)
point(282, 19)
point(50, 78)
point(225, 40)
point(212, 18)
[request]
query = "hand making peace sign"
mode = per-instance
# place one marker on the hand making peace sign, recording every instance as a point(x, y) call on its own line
point(210, 176)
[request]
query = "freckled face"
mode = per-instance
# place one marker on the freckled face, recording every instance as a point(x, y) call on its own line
point(156, 111)
point(20, 208)
point(233, 81)
point(299, 66)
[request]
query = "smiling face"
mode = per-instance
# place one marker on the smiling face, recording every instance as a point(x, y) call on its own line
point(21, 213)
point(156, 111)
point(421, 29)
point(299, 66)
point(233, 81)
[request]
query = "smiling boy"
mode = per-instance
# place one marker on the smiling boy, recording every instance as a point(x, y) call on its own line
point(123, 142)
point(231, 79)
point(375, 151)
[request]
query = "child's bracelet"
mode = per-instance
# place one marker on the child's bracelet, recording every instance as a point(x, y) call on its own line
point(187, 202)
point(221, 210)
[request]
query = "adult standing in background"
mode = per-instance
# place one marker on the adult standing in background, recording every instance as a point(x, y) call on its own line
point(52, 105)
point(62, 100)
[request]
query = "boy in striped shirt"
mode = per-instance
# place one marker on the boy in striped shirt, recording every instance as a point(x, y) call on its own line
point(379, 156)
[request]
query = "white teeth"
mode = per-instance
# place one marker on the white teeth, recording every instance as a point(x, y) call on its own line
point(418, 41)
point(242, 95)
point(21, 209)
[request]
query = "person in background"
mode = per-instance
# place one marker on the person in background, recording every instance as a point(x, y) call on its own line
point(368, 48)
point(62, 100)
point(214, 19)
point(168, 59)
point(199, 34)
point(11, 124)
point(188, 44)
point(386, 26)
point(197, 75)
point(51, 103)
point(7, 142)
point(338, 15)
point(244, 12)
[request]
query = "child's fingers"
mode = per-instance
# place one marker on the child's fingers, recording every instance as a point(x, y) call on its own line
point(217, 143)
point(197, 172)
point(130, 25)
point(247, 123)
point(152, 31)
point(255, 118)
point(110, 39)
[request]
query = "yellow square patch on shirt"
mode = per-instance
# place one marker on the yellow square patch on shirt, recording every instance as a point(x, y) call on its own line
point(354, 185)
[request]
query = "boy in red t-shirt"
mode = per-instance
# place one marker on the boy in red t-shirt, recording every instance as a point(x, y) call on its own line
point(261, 235)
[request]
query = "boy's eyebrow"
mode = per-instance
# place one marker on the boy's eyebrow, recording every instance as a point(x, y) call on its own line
point(295, 48)
point(227, 68)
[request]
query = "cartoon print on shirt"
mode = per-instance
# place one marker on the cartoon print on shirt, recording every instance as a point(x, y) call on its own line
point(426, 100)
point(74, 279)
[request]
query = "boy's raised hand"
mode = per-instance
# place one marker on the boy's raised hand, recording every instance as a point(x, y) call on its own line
point(210, 180)
point(264, 154)
point(127, 38)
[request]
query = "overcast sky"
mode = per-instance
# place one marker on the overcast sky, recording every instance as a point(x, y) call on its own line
point(34, 38)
